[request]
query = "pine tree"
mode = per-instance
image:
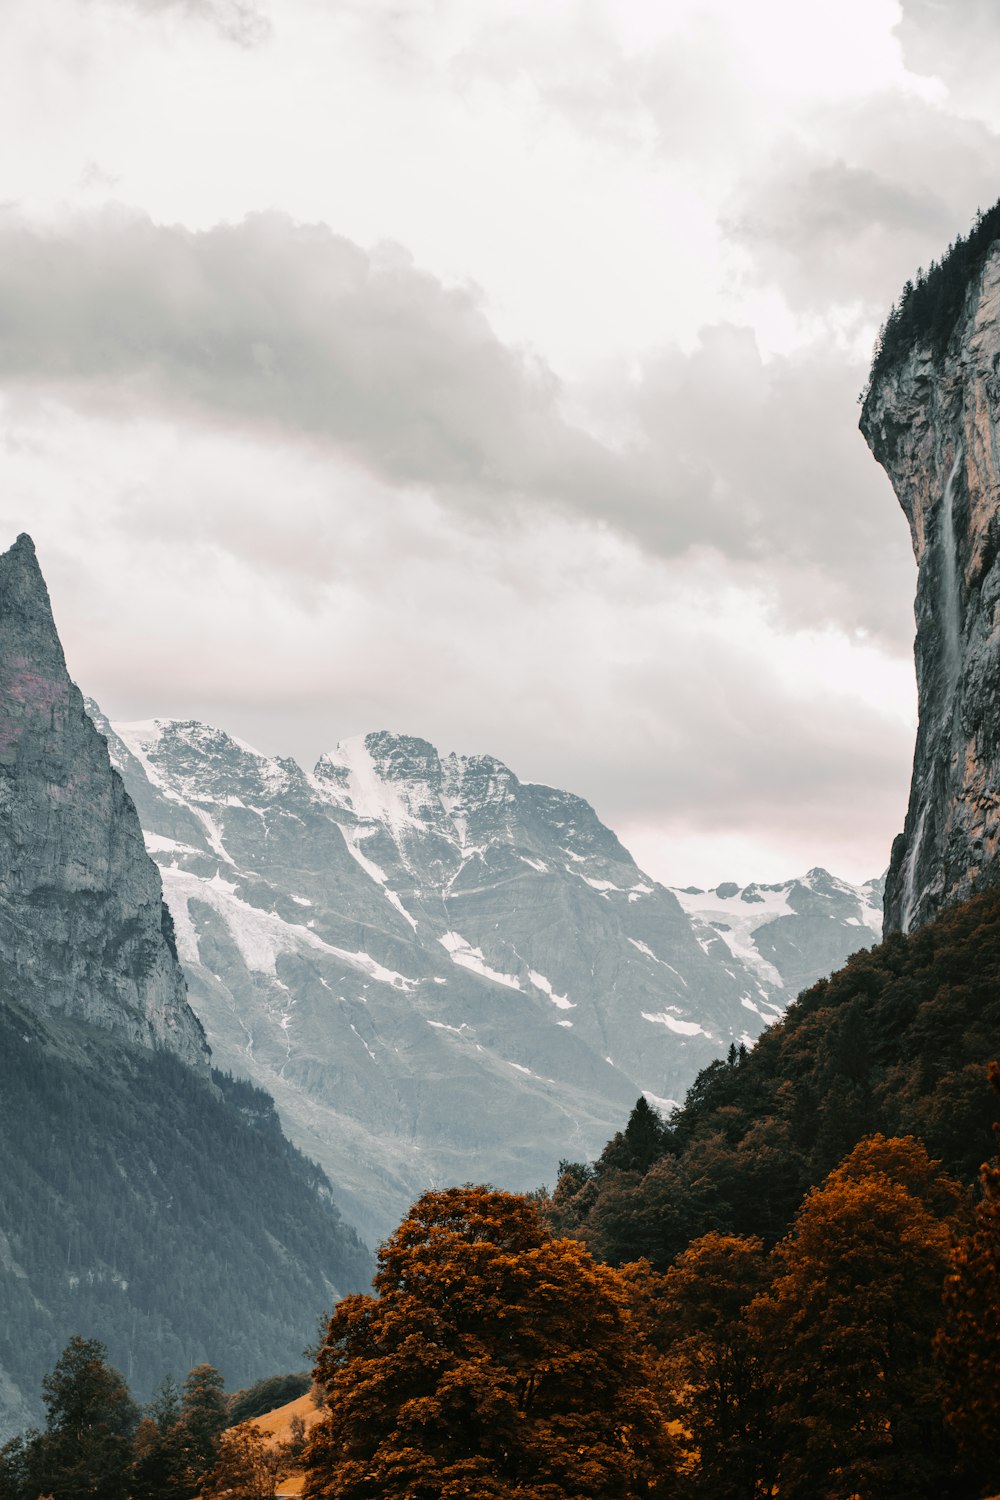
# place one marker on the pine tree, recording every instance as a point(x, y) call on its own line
point(204, 1413)
point(85, 1452)
point(968, 1345)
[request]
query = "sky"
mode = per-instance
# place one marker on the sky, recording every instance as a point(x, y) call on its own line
point(487, 370)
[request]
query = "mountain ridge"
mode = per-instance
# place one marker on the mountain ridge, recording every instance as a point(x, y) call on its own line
point(400, 934)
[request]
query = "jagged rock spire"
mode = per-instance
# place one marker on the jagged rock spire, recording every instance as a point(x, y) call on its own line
point(80, 900)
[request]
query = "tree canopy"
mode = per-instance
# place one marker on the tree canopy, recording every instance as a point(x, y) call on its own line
point(494, 1360)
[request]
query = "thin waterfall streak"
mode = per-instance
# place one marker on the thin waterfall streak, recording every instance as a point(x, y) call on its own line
point(910, 882)
point(951, 599)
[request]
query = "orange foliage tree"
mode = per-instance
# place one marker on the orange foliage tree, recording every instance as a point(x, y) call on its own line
point(848, 1325)
point(494, 1361)
point(712, 1359)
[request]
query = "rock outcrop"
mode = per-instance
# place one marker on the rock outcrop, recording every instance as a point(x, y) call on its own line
point(930, 418)
point(83, 929)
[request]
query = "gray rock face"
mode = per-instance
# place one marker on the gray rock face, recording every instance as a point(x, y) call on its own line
point(80, 900)
point(931, 421)
point(439, 972)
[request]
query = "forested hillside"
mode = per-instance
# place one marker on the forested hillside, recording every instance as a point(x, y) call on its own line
point(158, 1211)
point(897, 1041)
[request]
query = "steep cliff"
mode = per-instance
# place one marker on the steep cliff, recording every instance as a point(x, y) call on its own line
point(146, 1201)
point(83, 930)
point(930, 418)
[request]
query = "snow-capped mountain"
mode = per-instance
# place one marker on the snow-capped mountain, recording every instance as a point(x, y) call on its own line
point(788, 934)
point(440, 972)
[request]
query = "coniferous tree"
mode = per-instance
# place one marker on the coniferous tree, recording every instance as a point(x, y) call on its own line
point(85, 1452)
point(968, 1345)
point(203, 1416)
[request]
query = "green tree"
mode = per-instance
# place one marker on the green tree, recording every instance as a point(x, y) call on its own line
point(642, 1142)
point(968, 1344)
point(203, 1416)
point(847, 1327)
point(494, 1361)
point(160, 1469)
point(85, 1452)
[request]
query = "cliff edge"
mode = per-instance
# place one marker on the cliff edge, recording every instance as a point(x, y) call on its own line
point(930, 418)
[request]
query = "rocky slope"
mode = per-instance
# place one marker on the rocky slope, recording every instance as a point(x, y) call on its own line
point(147, 1200)
point(930, 418)
point(441, 972)
point(82, 927)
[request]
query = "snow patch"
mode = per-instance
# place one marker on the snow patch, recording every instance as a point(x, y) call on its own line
point(259, 935)
point(541, 983)
point(368, 796)
point(463, 953)
point(351, 839)
point(682, 1028)
point(665, 1106)
point(158, 843)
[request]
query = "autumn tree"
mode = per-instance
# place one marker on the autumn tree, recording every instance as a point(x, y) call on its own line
point(712, 1357)
point(968, 1345)
point(848, 1324)
point(246, 1467)
point(494, 1361)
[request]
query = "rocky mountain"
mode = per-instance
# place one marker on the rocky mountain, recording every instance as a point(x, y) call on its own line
point(147, 1200)
point(441, 972)
point(82, 924)
point(930, 418)
point(792, 933)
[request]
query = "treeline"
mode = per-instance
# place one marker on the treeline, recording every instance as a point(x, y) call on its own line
point(791, 1288)
point(930, 306)
point(191, 1443)
point(855, 1360)
point(895, 1043)
point(495, 1360)
point(164, 1214)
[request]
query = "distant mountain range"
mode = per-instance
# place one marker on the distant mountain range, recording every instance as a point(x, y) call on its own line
point(443, 973)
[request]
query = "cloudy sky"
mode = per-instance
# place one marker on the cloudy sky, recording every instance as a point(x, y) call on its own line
point(487, 370)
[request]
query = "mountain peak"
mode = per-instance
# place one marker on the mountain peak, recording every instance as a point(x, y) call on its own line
point(80, 900)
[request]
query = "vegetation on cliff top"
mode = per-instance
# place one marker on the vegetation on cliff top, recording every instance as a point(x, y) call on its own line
point(929, 307)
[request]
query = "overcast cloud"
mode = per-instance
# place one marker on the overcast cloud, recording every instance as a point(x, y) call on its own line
point(490, 373)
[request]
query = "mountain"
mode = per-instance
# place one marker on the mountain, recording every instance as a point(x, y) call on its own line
point(441, 972)
point(930, 419)
point(82, 922)
point(146, 1200)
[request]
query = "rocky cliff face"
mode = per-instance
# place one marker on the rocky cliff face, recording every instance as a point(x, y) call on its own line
point(930, 419)
point(441, 972)
point(82, 927)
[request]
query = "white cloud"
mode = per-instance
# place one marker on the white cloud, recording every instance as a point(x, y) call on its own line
point(575, 479)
